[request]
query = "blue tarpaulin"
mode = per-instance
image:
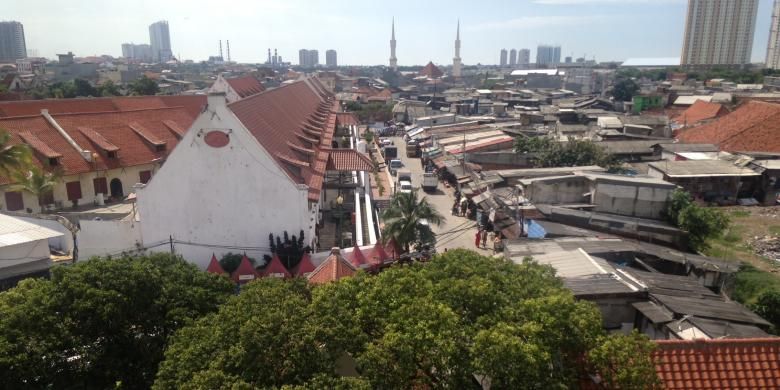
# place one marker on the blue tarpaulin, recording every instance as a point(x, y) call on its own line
point(534, 230)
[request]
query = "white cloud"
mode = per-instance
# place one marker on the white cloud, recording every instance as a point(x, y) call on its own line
point(535, 22)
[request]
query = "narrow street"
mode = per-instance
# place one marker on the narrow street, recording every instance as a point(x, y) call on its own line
point(454, 232)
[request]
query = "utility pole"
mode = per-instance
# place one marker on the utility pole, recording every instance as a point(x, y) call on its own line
point(518, 212)
point(170, 240)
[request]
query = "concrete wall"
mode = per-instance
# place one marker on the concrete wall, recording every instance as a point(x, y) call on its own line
point(230, 196)
point(559, 191)
point(100, 238)
point(129, 176)
point(630, 200)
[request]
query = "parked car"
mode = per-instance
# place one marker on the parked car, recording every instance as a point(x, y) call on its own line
point(394, 166)
point(405, 186)
point(385, 142)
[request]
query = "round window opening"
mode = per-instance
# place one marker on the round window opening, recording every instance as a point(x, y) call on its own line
point(216, 139)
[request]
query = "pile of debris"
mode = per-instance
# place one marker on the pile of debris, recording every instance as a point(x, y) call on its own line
point(767, 246)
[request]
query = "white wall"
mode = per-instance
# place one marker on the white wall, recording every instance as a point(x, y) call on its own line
point(234, 195)
point(220, 85)
point(101, 238)
point(63, 243)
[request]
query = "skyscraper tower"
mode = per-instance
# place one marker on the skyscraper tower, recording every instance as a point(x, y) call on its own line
point(393, 60)
point(503, 57)
point(456, 65)
point(773, 46)
point(719, 32)
point(12, 43)
point(160, 39)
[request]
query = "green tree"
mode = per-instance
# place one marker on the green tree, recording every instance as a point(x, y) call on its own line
point(768, 307)
point(230, 261)
point(144, 86)
point(624, 362)
point(574, 152)
point(701, 223)
point(264, 337)
point(84, 88)
point(404, 220)
point(13, 157)
point(625, 89)
point(38, 182)
point(100, 323)
point(108, 88)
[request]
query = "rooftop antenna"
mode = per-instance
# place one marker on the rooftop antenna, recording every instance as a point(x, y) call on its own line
point(220, 49)
point(228, 49)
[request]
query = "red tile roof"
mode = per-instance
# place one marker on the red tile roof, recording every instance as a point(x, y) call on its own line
point(348, 160)
point(193, 104)
point(333, 268)
point(347, 119)
point(719, 364)
point(432, 71)
point(97, 139)
point(305, 266)
point(245, 272)
point(39, 146)
point(356, 257)
point(276, 269)
point(214, 266)
point(701, 111)
point(277, 117)
point(245, 86)
point(753, 127)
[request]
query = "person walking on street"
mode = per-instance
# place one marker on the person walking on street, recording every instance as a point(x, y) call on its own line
point(478, 239)
point(484, 238)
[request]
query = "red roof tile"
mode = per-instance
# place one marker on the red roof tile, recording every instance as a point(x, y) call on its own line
point(276, 269)
point(333, 268)
point(377, 254)
point(98, 139)
point(719, 364)
point(701, 111)
point(305, 266)
point(193, 104)
point(245, 272)
point(356, 258)
point(753, 127)
point(214, 266)
point(245, 86)
point(432, 71)
point(38, 145)
point(348, 160)
point(347, 119)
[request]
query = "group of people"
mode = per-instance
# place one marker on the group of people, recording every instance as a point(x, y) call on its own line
point(484, 237)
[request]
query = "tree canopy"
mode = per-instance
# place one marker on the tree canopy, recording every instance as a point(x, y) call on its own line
point(144, 86)
point(625, 89)
point(100, 323)
point(13, 157)
point(701, 223)
point(436, 324)
point(574, 152)
point(408, 220)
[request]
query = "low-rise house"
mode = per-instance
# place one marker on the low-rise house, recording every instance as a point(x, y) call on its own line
point(769, 189)
point(752, 127)
point(678, 151)
point(710, 180)
point(700, 112)
point(24, 250)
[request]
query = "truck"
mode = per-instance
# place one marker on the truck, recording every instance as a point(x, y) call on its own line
point(429, 182)
point(390, 152)
point(412, 149)
point(404, 181)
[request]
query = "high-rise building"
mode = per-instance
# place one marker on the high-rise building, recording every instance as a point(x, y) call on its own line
point(141, 52)
point(160, 39)
point(773, 46)
point(512, 57)
point(503, 57)
point(12, 44)
point(456, 64)
point(308, 58)
point(393, 59)
point(548, 55)
point(524, 57)
point(567, 60)
point(331, 60)
point(719, 32)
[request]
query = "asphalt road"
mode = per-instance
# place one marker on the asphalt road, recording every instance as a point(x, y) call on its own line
point(454, 232)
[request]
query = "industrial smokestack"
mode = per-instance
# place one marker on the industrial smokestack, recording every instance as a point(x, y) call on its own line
point(220, 50)
point(228, 49)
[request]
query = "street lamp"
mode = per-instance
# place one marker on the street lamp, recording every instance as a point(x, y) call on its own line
point(340, 203)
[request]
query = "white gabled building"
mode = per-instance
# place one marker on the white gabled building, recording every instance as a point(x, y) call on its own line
point(242, 171)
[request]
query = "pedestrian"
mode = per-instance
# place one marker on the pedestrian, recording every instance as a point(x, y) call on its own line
point(484, 238)
point(478, 239)
point(455, 209)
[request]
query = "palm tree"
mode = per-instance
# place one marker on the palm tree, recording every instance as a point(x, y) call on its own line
point(12, 157)
point(405, 220)
point(37, 182)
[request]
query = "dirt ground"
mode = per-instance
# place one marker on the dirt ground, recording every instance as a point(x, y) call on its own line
point(754, 237)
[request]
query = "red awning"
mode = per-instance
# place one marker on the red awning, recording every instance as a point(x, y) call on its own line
point(356, 258)
point(276, 269)
point(245, 272)
point(214, 266)
point(377, 255)
point(348, 160)
point(305, 266)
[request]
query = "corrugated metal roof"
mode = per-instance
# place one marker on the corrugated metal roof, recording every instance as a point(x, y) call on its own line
point(14, 231)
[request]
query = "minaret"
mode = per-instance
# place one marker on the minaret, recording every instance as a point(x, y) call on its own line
point(456, 65)
point(393, 60)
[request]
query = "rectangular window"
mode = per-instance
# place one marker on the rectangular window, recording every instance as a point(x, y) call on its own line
point(145, 176)
point(101, 186)
point(47, 198)
point(13, 201)
point(74, 190)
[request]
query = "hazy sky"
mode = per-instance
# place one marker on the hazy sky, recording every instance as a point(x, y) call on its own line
point(360, 30)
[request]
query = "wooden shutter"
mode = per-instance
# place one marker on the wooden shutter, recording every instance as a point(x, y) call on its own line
point(74, 190)
point(13, 201)
point(145, 176)
point(101, 185)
